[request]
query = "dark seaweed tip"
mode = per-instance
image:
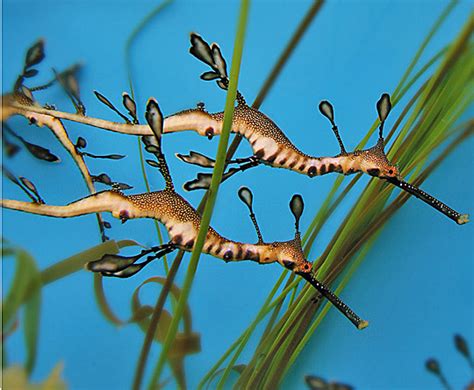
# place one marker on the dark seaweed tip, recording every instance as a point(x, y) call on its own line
point(461, 345)
point(11, 149)
point(41, 153)
point(222, 84)
point(109, 104)
point(154, 117)
point(202, 182)
point(201, 50)
point(81, 143)
point(211, 75)
point(104, 100)
point(384, 106)
point(246, 196)
point(112, 156)
point(71, 84)
point(296, 207)
point(432, 365)
point(121, 186)
point(102, 178)
point(315, 383)
point(219, 61)
point(153, 163)
point(326, 109)
point(35, 54)
point(152, 149)
point(130, 105)
point(30, 73)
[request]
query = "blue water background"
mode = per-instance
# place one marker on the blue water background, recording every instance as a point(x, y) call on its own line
point(415, 286)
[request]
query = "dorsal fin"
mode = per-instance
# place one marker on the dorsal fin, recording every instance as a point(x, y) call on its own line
point(297, 207)
point(383, 109)
point(327, 110)
point(246, 197)
point(154, 118)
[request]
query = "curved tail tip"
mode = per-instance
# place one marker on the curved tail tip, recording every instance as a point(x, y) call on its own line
point(464, 218)
point(363, 325)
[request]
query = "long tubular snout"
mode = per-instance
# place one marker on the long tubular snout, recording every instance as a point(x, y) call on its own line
point(334, 299)
point(460, 219)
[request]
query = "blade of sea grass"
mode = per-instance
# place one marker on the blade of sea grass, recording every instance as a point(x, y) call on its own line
point(25, 290)
point(154, 320)
point(325, 211)
point(128, 65)
point(32, 309)
point(256, 104)
point(469, 130)
point(216, 179)
point(270, 80)
point(367, 223)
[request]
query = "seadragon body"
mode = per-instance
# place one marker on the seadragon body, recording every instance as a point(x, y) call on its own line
point(182, 222)
point(180, 219)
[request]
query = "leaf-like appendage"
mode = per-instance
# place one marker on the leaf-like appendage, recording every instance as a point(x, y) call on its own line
point(315, 383)
point(81, 143)
point(154, 117)
point(296, 207)
point(112, 263)
point(202, 182)
point(222, 84)
point(327, 110)
point(130, 105)
point(219, 60)
point(201, 50)
point(30, 73)
point(40, 152)
point(384, 106)
point(196, 158)
point(153, 163)
point(211, 75)
point(28, 184)
point(461, 345)
point(432, 365)
point(35, 54)
point(102, 178)
point(104, 100)
point(246, 196)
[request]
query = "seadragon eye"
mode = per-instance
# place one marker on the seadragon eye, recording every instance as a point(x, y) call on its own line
point(209, 133)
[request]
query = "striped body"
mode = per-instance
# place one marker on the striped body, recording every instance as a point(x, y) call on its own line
point(268, 142)
point(178, 216)
point(271, 146)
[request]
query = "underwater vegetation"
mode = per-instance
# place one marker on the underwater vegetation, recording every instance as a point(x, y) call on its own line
point(434, 367)
point(168, 322)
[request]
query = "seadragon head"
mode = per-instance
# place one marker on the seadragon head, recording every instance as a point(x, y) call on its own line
point(291, 256)
point(372, 161)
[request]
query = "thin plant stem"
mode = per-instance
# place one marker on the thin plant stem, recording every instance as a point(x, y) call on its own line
point(215, 182)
